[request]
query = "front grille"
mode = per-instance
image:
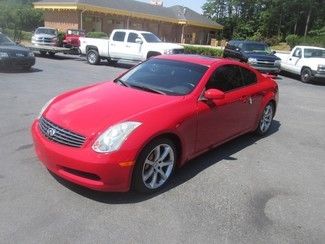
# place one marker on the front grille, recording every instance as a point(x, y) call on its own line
point(57, 134)
point(265, 63)
point(178, 51)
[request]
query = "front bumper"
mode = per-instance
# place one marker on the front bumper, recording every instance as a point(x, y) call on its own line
point(17, 62)
point(83, 166)
point(319, 75)
point(44, 43)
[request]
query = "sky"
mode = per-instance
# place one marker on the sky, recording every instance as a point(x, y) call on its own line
point(194, 5)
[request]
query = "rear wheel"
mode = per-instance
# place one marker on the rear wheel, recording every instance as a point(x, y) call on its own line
point(43, 53)
point(52, 54)
point(265, 122)
point(155, 166)
point(306, 75)
point(93, 57)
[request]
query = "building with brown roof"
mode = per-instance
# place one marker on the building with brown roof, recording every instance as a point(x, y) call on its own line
point(173, 24)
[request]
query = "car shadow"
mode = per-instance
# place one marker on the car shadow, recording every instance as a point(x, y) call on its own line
point(19, 70)
point(58, 56)
point(181, 176)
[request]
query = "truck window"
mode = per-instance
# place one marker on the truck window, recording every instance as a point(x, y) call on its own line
point(297, 53)
point(132, 36)
point(119, 36)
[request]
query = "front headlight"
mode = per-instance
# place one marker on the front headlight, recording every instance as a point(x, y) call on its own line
point(252, 61)
point(277, 62)
point(45, 107)
point(4, 55)
point(168, 51)
point(112, 139)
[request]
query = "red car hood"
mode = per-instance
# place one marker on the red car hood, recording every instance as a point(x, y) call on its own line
point(94, 109)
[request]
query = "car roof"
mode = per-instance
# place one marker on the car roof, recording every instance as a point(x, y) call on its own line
point(190, 58)
point(46, 28)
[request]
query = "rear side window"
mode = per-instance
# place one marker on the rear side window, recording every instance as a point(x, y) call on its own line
point(249, 77)
point(119, 36)
point(226, 78)
point(132, 36)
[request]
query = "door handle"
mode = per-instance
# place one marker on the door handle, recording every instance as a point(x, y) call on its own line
point(290, 59)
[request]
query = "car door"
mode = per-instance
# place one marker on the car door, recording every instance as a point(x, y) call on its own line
point(293, 61)
point(133, 48)
point(221, 120)
point(117, 45)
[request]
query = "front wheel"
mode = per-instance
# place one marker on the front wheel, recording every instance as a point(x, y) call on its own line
point(306, 75)
point(266, 120)
point(93, 57)
point(155, 166)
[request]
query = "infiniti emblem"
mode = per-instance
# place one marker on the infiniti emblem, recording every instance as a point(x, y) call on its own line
point(50, 132)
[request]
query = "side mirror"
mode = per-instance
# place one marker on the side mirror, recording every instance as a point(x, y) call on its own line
point(138, 40)
point(273, 52)
point(214, 94)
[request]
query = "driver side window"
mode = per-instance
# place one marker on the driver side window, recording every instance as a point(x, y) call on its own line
point(225, 78)
point(297, 53)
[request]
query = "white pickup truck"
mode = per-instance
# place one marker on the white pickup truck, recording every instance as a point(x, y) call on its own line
point(308, 62)
point(126, 45)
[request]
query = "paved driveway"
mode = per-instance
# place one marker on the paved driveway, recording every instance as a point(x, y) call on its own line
point(251, 190)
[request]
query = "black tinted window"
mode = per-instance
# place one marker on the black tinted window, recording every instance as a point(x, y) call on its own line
point(132, 37)
point(249, 77)
point(225, 78)
point(119, 36)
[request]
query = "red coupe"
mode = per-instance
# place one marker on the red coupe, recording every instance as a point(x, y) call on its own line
point(133, 132)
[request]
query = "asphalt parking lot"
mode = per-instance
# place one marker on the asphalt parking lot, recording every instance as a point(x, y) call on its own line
point(250, 190)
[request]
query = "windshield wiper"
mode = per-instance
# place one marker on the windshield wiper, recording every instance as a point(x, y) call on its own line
point(148, 89)
point(122, 82)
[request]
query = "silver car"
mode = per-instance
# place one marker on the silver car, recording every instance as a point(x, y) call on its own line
point(45, 36)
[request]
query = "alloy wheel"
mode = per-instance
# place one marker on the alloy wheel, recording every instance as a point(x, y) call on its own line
point(158, 166)
point(266, 118)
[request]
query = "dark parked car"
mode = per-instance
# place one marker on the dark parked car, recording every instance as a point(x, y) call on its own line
point(257, 54)
point(13, 55)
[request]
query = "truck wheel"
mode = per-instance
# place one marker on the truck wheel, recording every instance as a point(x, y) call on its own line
point(306, 75)
point(52, 54)
point(43, 53)
point(93, 57)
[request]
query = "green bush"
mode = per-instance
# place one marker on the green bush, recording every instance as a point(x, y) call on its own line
point(60, 38)
point(102, 35)
point(18, 35)
point(207, 51)
point(292, 40)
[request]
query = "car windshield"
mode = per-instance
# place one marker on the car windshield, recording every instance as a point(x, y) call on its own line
point(5, 40)
point(164, 76)
point(149, 37)
point(256, 47)
point(314, 53)
point(45, 31)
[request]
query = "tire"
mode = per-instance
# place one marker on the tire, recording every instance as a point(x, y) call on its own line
point(111, 62)
point(43, 53)
point(93, 57)
point(265, 122)
point(51, 54)
point(152, 54)
point(155, 166)
point(306, 75)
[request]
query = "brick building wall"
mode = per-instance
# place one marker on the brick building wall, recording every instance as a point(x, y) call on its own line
point(69, 19)
point(62, 20)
